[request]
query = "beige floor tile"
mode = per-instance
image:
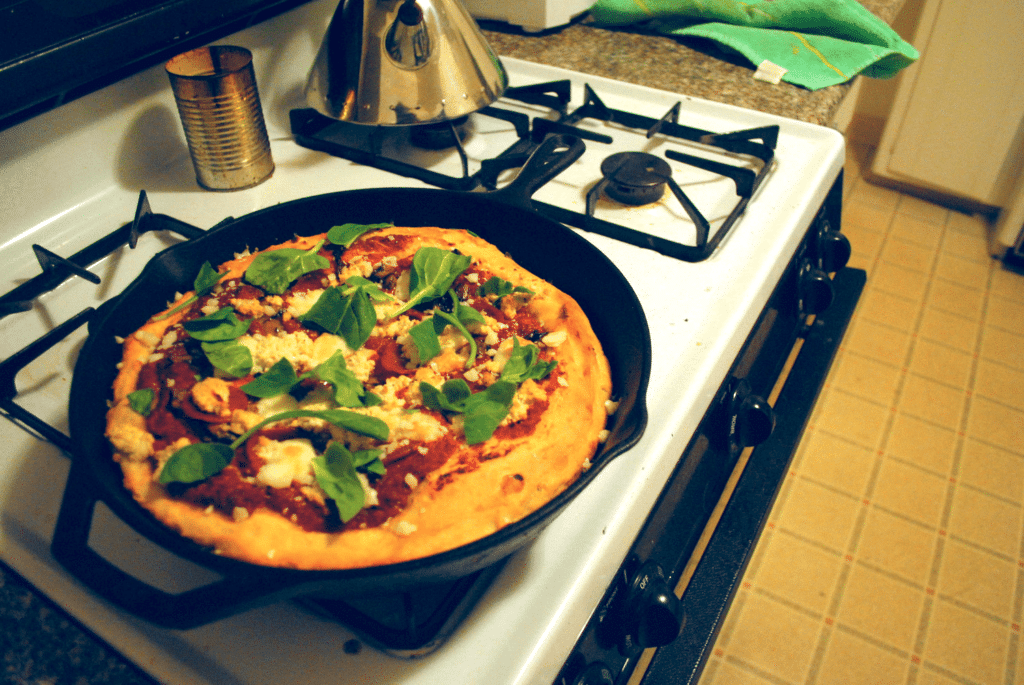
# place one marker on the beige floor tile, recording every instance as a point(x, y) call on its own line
point(878, 341)
point(995, 424)
point(897, 280)
point(986, 521)
point(865, 245)
point(817, 514)
point(877, 195)
point(892, 494)
point(993, 470)
point(922, 209)
point(867, 215)
point(897, 545)
point(869, 379)
point(962, 271)
point(973, 225)
point(725, 673)
point(923, 444)
point(930, 677)
point(949, 329)
point(1001, 383)
point(966, 246)
point(969, 645)
point(1006, 314)
point(917, 230)
point(910, 492)
point(850, 659)
point(799, 572)
point(956, 299)
point(933, 401)
point(881, 606)
point(908, 255)
point(941, 363)
point(774, 638)
point(853, 418)
point(837, 463)
point(894, 311)
point(1007, 284)
point(1003, 346)
point(978, 579)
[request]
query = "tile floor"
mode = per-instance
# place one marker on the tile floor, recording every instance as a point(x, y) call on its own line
point(894, 552)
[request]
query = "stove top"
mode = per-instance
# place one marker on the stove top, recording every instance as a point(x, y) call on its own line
point(75, 173)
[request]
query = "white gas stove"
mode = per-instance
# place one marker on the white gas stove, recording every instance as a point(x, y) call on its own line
point(74, 174)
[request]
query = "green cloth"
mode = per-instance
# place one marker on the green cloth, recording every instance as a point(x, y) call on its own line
point(820, 42)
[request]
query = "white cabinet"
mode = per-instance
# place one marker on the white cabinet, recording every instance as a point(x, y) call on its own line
point(957, 122)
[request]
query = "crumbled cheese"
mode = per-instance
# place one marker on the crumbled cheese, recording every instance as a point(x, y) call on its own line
point(286, 461)
point(611, 406)
point(239, 514)
point(563, 382)
point(411, 481)
point(405, 528)
point(555, 338)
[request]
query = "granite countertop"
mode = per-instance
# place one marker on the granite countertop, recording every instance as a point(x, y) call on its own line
point(698, 69)
point(42, 645)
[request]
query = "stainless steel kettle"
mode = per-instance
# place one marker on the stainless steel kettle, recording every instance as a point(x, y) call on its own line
point(400, 62)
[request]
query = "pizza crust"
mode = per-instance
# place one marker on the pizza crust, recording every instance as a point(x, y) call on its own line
point(512, 475)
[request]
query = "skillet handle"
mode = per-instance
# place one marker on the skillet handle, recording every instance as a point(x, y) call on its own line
point(554, 155)
point(195, 607)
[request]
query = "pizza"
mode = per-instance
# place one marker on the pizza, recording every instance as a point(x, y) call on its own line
point(367, 396)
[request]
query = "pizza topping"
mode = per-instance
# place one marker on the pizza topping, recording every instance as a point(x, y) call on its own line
point(331, 384)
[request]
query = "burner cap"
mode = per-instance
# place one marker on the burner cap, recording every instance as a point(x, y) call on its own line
point(635, 178)
point(438, 136)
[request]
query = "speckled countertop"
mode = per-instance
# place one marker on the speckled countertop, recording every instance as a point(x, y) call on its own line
point(40, 644)
point(692, 68)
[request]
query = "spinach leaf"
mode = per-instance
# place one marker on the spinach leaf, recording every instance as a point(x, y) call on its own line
point(342, 418)
point(348, 390)
point(233, 359)
point(277, 380)
point(196, 462)
point(346, 234)
point(336, 475)
point(484, 411)
point(217, 327)
point(371, 288)
point(369, 461)
point(454, 321)
point(424, 336)
point(275, 270)
point(141, 401)
point(499, 287)
point(525, 364)
point(204, 282)
point(433, 272)
point(350, 315)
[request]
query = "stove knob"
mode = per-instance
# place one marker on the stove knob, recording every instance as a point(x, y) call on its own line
point(833, 249)
point(652, 616)
point(595, 674)
point(815, 290)
point(751, 417)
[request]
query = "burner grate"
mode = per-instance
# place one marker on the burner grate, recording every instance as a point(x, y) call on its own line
point(755, 146)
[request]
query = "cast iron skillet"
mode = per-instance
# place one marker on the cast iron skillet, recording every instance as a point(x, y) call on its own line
point(504, 218)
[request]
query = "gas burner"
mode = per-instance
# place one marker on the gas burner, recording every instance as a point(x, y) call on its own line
point(440, 136)
point(634, 178)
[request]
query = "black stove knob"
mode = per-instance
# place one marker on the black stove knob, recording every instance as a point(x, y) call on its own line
point(595, 674)
point(652, 614)
point(752, 419)
point(833, 249)
point(815, 290)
